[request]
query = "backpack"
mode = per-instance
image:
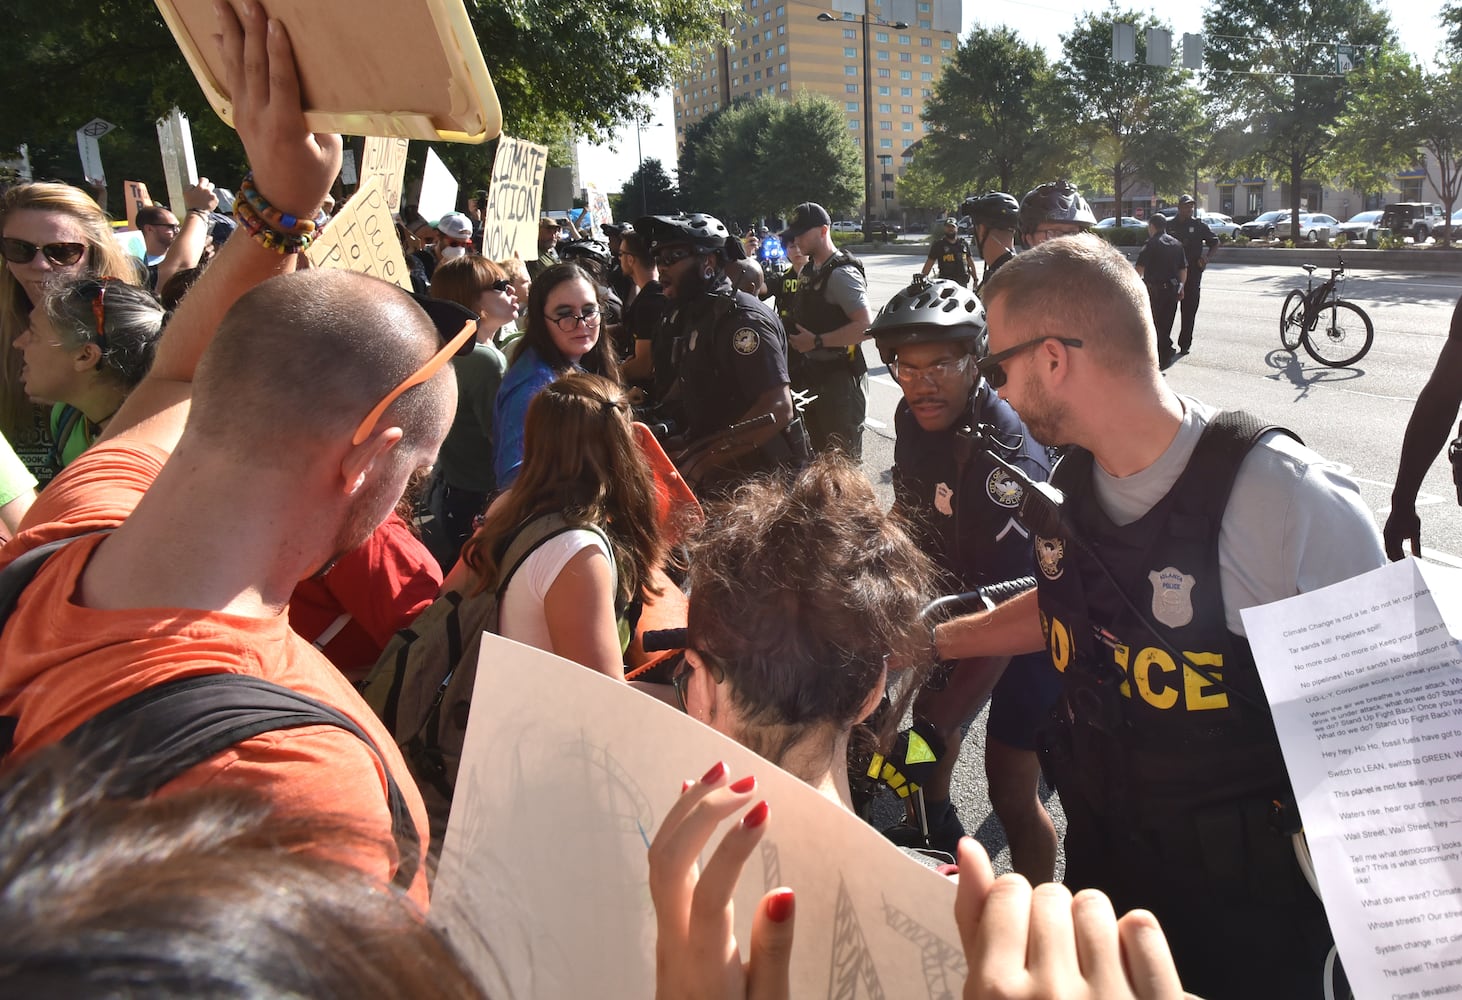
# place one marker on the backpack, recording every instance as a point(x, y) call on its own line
point(138, 745)
point(421, 686)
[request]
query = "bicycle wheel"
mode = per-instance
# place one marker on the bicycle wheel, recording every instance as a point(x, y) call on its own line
point(1292, 320)
point(1342, 336)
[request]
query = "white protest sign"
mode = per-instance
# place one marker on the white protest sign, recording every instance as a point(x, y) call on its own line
point(386, 158)
point(598, 203)
point(175, 137)
point(347, 167)
point(510, 223)
point(564, 780)
point(1365, 679)
point(91, 156)
point(438, 189)
point(361, 237)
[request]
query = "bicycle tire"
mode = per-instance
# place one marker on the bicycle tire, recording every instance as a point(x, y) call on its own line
point(1292, 321)
point(1336, 341)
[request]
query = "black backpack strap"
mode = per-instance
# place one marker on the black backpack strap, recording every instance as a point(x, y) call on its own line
point(138, 745)
point(1220, 451)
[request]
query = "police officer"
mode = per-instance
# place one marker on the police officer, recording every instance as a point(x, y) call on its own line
point(963, 509)
point(732, 362)
point(994, 217)
point(952, 253)
point(830, 320)
point(1163, 268)
point(1053, 209)
point(1198, 242)
point(1163, 748)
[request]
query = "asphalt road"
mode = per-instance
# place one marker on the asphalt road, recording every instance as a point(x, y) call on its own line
point(1355, 416)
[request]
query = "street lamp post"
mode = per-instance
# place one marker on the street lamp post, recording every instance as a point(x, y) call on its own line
point(867, 106)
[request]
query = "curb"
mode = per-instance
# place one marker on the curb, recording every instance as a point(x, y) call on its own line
point(1441, 261)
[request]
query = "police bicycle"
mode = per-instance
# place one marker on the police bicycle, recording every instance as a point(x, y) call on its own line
point(1334, 332)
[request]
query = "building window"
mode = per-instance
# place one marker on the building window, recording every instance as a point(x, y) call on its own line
point(925, 25)
point(782, 68)
point(945, 43)
point(885, 109)
point(852, 124)
point(758, 74)
point(908, 126)
point(881, 37)
point(781, 29)
point(905, 74)
point(781, 10)
point(851, 88)
point(885, 144)
point(926, 77)
point(851, 106)
point(883, 74)
point(850, 53)
point(882, 91)
point(906, 109)
point(849, 33)
point(850, 70)
point(925, 93)
point(756, 38)
point(766, 18)
point(847, 15)
point(906, 57)
point(782, 49)
point(746, 80)
point(904, 39)
point(883, 56)
point(783, 86)
point(885, 126)
point(923, 7)
point(927, 126)
point(756, 57)
point(927, 60)
point(906, 91)
point(906, 143)
point(1410, 188)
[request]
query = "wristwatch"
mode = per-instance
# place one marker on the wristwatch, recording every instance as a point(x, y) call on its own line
point(817, 340)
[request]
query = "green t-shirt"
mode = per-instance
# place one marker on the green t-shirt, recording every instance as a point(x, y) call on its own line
point(465, 459)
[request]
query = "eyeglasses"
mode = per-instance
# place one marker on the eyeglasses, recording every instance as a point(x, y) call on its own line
point(164, 225)
point(569, 322)
point(98, 309)
point(996, 375)
point(421, 375)
point(1051, 232)
point(500, 285)
point(680, 679)
point(669, 258)
point(59, 254)
point(934, 374)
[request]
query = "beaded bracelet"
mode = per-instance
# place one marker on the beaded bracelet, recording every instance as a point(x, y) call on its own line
point(279, 221)
point(271, 238)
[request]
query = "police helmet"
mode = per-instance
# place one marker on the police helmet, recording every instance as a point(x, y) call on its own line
point(702, 231)
point(927, 312)
point(585, 249)
point(1057, 201)
point(995, 209)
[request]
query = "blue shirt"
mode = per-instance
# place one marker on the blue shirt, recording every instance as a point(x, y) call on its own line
point(524, 379)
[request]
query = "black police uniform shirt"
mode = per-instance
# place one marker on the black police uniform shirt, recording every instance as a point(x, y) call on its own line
point(642, 315)
point(1193, 234)
point(950, 255)
point(734, 351)
point(961, 503)
point(1161, 259)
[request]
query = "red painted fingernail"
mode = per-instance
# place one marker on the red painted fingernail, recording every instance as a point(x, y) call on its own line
point(948, 870)
point(715, 774)
point(780, 906)
point(684, 785)
point(746, 784)
point(757, 816)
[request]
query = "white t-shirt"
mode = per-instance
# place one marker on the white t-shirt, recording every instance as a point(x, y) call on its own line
point(1293, 522)
point(521, 617)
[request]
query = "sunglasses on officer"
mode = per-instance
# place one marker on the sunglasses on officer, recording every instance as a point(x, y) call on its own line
point(995, 373)
point(19, 251)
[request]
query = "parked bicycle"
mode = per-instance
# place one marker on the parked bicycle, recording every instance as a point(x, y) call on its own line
point(1334, 332)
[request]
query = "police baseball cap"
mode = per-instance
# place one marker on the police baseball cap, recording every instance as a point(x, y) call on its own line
point(952, 221)
point(808, 215)
point(1186, 199)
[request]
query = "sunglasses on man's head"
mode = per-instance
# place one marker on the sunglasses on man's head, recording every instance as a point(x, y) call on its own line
point(996, 374)
point(19, 251)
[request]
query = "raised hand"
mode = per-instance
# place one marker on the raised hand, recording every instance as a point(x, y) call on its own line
point(1403, 524)
point(293, 167)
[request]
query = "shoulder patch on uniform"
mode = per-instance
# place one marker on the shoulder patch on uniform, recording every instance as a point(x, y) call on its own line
point(1048, 556)
point(745, 340)
point(1172, 596)
point(1003, 489)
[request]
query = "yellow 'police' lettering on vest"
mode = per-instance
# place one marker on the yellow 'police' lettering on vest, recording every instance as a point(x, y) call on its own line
point(1152, 675)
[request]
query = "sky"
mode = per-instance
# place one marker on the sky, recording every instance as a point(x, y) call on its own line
point(1415, 21)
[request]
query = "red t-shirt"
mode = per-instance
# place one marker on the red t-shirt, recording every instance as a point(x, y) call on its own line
point(61, 663)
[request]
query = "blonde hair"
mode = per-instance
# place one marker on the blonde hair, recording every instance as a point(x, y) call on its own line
point(104, 258)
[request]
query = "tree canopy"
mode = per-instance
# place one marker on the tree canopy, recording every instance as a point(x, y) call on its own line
point(648, 191)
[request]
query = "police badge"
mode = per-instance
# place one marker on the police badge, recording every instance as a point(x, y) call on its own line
point(1048, 556)
point(1003, 489)
point(745, 341)
point(1172, 596)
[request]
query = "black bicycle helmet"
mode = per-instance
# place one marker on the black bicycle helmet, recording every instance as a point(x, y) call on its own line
point(930, 311)
point(585, 249)
point(994, 208)
point(1057, 201)
point(696, 228)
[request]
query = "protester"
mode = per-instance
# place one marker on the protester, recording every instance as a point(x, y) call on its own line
point(563, 333)
point(642, 316)
point(572, 595)
point(50, 230)
point(462, 481)
point(548, 235)
point(86, 349)
point(17, 489)
point(278, 426)
point(1175, 518)
point(517, 273)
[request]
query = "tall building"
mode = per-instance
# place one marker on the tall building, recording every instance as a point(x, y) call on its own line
point(878, 59)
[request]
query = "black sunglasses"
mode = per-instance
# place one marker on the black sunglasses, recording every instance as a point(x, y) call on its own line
point(996, 375)
point(19, 251)
point(680, 678)
point(500, 285)
point(669, 258)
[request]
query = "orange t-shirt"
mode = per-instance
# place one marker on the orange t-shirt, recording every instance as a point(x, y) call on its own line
point(61, 663)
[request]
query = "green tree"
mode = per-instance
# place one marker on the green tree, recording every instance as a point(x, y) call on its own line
point(1129, 121)
point(649, 191)
point(1271, 86)
point(923, 186)
point(1451, 18)
point(986, 126)
point(1398, 109)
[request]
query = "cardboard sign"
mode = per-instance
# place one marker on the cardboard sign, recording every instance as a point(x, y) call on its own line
point(565, 777)
point(510, 223)
point(598, 203)
point(136, 194)
point(175, 137)
point(385, 158)
point(361, 237)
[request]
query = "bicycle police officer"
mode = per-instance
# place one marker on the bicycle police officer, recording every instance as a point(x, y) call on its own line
point(963, 509)
point(1198, 242)
point(952, 253)
point(994, 217)
point(1053, 209)
point(732, 362)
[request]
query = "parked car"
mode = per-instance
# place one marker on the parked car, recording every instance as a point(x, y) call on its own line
point(1223, 227)
point(1416, 219)
point(1126, 222)
point(1170, 213)
point(1455, 228)
point(1362, 227)
point(847, 226)
point(1314, 227)
point(1262, 227)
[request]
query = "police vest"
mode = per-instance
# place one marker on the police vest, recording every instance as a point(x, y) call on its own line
point(951, 259)
point(786, 295)
point(812, 309)
point(1162, 709)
